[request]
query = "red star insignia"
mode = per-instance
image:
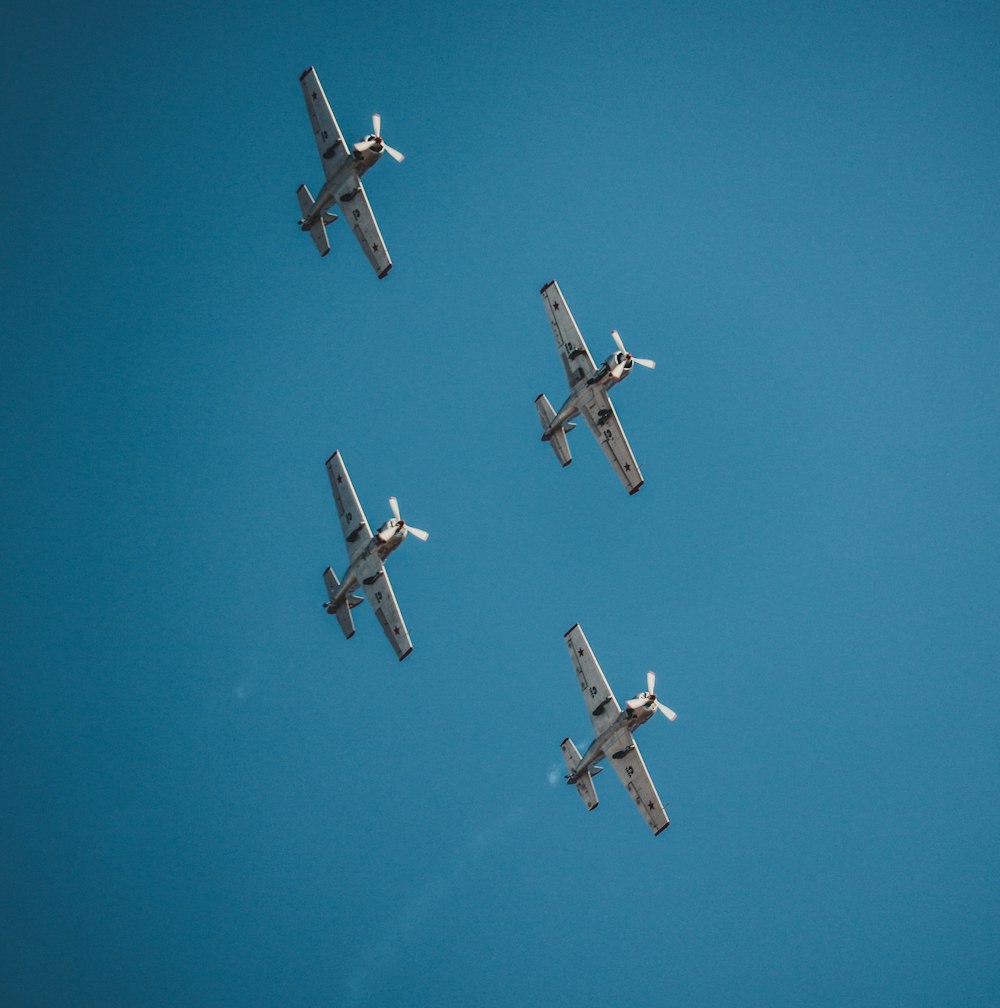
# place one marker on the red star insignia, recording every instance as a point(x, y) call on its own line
point(580, 652)
point(555, 306)
point(340, 479)
point(395, 630)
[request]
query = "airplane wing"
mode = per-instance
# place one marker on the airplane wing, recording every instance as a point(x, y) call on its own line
point(572, 348)
point(625, 757)
point(329, 140)
point(375, 582)
point(357, 212)
point(353, 523)
point(603, 421)
point(601, 703)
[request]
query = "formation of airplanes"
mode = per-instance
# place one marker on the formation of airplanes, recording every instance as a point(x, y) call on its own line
point(589, 385)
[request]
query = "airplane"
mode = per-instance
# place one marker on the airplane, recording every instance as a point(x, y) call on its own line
point(613, 728)
point(343, 169)
point(588, 392)
point(366, 554)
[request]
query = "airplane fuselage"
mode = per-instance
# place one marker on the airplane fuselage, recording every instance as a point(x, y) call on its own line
point(614, 370)
point(385, 540)
point(631, 718)
point(343, 185)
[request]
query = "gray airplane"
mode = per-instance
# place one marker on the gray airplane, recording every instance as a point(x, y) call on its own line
point(613, 728)
point(588, 392)
point(367, 554)
point(343, 169)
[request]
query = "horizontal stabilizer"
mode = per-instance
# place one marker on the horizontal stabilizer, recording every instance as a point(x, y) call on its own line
point(545, 412)
point(305, 200)
point(570, 754)
point(557, 438)
point(585, 788)
point(342, 612)
point(561, 447)
point(346, 621)
point(331, 582)
point(585, 784)
point(318, 234)
point(317, 230)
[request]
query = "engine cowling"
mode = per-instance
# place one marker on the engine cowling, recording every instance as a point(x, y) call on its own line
point(389, 530)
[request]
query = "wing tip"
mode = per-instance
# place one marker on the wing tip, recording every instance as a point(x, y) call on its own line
point(636, 488)
point(575, 626)
point(333, 456)
point(661, 829)
point(305, 73)
point(406, 653)
point(545, 287)
point(385, 272)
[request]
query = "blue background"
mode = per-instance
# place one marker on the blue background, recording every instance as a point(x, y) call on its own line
point(212, 798)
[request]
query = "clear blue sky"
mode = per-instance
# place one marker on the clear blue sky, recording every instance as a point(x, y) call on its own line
point(212, 798)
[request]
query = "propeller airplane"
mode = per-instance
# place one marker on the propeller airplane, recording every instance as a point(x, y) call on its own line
point(613, 728)
point(367, 554)
point(588, 396)
point(343, 169)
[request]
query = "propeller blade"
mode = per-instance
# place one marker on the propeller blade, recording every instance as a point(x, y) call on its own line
point(618, 340)
point(635, 703)
point(644, 362)
point(618, 370)
point(394, 504)
point(364, 145)
point(666, 711)
point(419, 533)
point(650, 681)
point(392, 152)
point(377, 124)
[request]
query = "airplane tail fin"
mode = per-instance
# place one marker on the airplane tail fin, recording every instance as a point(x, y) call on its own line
point(343, 611)
point(557, 438)
point(585, 784)
point(317, 231)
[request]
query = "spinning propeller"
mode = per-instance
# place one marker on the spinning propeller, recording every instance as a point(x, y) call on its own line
point(419, 533)
point(376, 138)
point(643, 698)
point(619, 369)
